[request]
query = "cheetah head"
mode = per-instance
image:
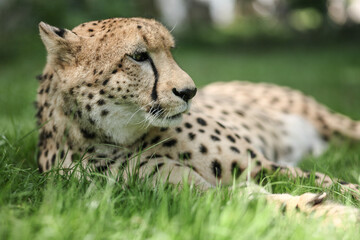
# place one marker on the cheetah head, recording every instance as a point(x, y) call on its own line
point(118, 73)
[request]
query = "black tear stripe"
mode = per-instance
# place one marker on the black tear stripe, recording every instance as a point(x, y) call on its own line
point(154, 94)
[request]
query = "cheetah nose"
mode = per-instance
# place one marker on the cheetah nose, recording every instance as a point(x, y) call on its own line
point(185, 94)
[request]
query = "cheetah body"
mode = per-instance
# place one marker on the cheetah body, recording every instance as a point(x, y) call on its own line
point(111, 89)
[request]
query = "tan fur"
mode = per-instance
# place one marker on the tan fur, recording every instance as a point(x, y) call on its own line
point(289, 101)
point(96, 103)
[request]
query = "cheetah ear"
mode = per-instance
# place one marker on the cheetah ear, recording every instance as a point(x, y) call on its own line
point(60, 43)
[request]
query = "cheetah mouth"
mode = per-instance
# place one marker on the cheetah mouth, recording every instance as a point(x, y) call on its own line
point(167, 121)
point(162, 117)
point(175, 116)
point(159, 112)
point(164, 120)
point(166, 117)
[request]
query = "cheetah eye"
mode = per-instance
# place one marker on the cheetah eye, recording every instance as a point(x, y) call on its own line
point(140, 56)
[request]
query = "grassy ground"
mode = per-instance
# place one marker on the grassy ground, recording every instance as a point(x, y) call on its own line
point(34, 206)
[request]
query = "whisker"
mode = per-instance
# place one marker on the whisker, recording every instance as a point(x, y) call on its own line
point(144, 109)
point(173, 28)
point(140, 108)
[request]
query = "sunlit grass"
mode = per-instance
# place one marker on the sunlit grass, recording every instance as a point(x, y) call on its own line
point(53, 206)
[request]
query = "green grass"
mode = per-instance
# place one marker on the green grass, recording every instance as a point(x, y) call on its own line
point(34, 206)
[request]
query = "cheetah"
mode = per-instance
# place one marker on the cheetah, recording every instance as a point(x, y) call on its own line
point(111, 89)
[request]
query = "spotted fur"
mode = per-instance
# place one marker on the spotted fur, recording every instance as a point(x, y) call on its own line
point(111, 88)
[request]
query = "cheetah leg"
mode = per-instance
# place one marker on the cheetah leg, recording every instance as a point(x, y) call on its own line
point(316, 205)
point(172, 172)
point(164, 170)
point(311, 204)
point(167, 170)
point(320, 178)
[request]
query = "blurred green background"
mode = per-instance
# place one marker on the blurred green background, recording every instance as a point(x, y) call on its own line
point(310, 45)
